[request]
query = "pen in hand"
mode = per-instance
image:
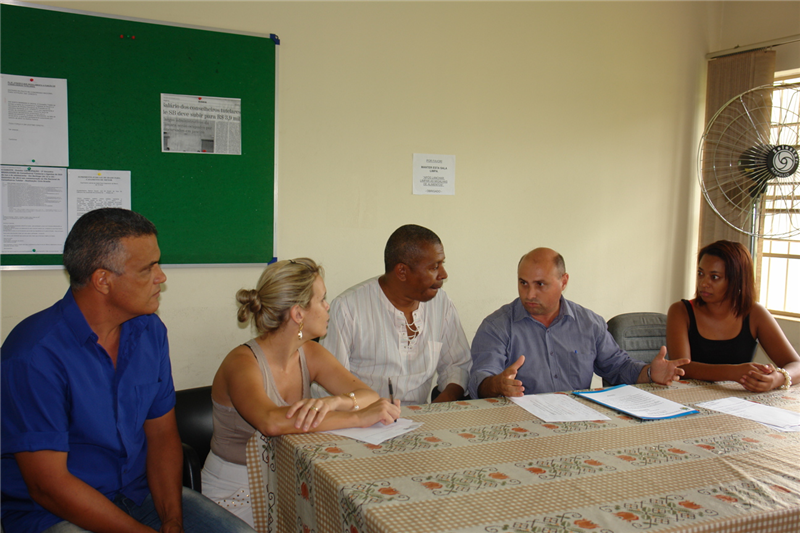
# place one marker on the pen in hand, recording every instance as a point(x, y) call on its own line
point(391, 393)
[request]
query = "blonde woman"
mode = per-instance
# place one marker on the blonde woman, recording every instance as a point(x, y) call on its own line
point(264, 384)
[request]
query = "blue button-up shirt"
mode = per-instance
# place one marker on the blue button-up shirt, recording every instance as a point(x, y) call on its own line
point(61, 392)
point(561, 357)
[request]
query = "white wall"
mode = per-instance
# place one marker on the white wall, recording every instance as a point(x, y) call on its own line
point(744, 23)
point(574, 125)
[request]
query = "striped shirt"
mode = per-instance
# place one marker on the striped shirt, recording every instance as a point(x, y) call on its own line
point(367, 334)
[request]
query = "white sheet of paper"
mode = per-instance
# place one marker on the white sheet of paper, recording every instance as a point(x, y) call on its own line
point(434, 174)
point(637, 402)
point(679, 385)
point(557, 408)
point(774, 417)
point(34, 210)
point(201, 124)
point(34, 121)
point(88, 190)
point(378, 432)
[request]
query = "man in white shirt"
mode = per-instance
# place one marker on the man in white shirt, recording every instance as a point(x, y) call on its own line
point(401, 325)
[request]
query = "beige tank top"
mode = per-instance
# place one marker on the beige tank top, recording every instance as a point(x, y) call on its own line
point(231, 431)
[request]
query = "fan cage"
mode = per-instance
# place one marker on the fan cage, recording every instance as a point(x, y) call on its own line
point(747, 161)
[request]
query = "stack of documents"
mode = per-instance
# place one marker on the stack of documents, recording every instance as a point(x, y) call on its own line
point(636, 402)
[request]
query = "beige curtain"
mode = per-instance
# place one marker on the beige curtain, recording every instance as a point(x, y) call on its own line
point(730, 76)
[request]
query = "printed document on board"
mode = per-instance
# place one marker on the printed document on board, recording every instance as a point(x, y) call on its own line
point(201, 124)
point(92, 189)
point(34, 121)
point(34, 210)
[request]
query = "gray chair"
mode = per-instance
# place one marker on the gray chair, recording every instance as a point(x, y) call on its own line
point(640, 334)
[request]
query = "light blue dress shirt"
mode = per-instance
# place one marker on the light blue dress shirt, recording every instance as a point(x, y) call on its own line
point(561, 357)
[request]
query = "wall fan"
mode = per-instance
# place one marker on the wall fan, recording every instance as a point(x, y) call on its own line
point(748, 161)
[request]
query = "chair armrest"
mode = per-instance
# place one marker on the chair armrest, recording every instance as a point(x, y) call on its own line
point(191, 469)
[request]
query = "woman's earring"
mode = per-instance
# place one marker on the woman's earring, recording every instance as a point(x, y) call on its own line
point(300, 333)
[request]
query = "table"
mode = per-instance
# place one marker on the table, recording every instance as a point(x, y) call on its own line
point(489, 466)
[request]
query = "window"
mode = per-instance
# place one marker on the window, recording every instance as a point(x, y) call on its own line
point(779, 258)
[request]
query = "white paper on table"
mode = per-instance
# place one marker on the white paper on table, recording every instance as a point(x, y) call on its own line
point(34, 116)
point(774, 417)
point(378, 432)
point(33, 210)
point(636, 402)
point(557, 408)
point(88, 190)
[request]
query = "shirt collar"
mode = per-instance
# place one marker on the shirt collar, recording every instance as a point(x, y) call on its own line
point(518, 311)
point(390, 306)
point(73, 316)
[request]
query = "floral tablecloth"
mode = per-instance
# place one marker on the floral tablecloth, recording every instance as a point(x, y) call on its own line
point(489, 466)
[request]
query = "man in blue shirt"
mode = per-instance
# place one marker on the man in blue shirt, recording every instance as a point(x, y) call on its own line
point(542, 342)
point(89, 439)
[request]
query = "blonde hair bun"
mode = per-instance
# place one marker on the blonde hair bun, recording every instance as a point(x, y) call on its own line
point(281, 286)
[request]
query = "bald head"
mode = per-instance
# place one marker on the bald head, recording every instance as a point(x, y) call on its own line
point(541, 280)
point(542, 256)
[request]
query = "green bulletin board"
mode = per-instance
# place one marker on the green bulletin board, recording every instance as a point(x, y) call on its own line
point(208, 208)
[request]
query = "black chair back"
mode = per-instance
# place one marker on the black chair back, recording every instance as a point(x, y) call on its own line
point(193, 410)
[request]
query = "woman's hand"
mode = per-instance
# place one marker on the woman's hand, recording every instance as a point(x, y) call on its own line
point(380, 411)
point(760, 378)
point(310, 412)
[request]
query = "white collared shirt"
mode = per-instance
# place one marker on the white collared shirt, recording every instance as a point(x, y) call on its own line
point(367, 334)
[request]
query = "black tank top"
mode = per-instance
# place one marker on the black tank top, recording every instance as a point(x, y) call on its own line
point(737, 350)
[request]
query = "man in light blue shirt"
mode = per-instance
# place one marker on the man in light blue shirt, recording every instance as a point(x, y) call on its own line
point(542, 342)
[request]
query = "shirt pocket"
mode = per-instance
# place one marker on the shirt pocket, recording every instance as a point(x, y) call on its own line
point(581, 364)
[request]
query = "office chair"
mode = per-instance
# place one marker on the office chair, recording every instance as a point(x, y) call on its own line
point(640, 334)
point(193, 413)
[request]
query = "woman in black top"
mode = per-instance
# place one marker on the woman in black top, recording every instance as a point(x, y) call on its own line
point(720, 328)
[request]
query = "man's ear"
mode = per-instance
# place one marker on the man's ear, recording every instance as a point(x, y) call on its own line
point(564, 281)
point(101, 280)
point(401, 271)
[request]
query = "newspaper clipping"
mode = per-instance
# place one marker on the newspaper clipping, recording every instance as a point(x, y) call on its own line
point(201, 124)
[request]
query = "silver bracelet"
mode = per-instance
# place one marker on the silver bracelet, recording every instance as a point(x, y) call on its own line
point(788, 382)
point(648, 373)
